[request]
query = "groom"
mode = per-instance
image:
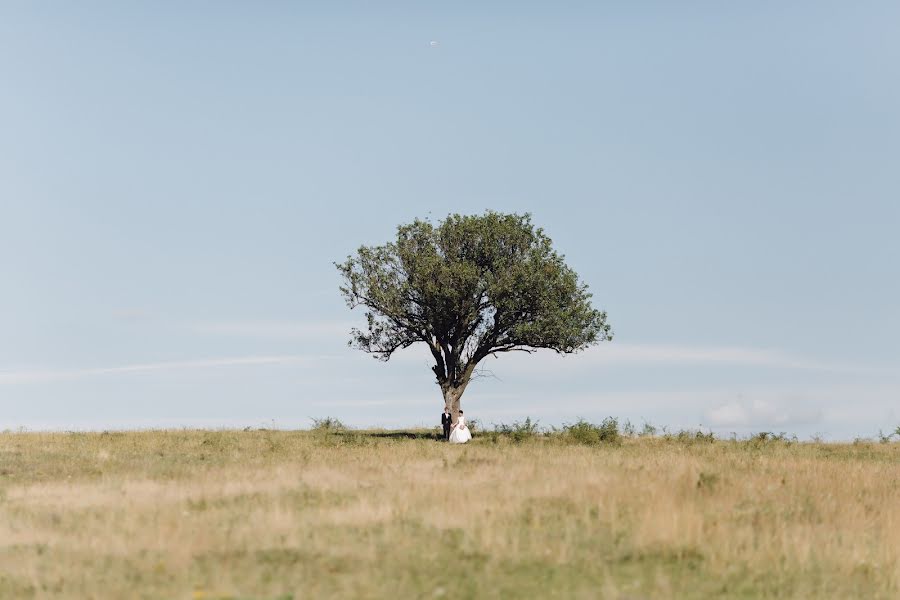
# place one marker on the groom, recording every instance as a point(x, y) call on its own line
point(446, 421)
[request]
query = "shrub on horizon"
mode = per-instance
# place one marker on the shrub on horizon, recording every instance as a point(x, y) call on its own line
point(327, 425)
point(589, 434)
point(518, 432)
point(687, 436)
point(768, 437)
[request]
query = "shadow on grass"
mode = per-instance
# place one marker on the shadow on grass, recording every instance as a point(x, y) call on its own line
point(400, 435)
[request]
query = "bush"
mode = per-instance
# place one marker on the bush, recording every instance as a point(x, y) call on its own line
point(885, 438)
point(764, 438)
point(589, 434)
point(518, 432)
point(327, 425)
point(648, 430)
point(686, 436)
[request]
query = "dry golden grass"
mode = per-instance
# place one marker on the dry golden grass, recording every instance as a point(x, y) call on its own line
point(268, 514)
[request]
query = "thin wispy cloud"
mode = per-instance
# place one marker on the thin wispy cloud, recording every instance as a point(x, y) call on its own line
point(44, 375)
point(617, 354)
point(283, 330)
point(724, 355)
point(606, 354)
point(132, 314)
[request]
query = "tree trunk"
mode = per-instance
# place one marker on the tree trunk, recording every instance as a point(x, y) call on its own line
point(452, 393)
point(451, 401)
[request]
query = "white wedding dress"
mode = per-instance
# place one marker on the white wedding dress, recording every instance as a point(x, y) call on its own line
point(460, 433)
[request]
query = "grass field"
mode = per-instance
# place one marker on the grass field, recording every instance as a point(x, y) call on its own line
point(320, 514)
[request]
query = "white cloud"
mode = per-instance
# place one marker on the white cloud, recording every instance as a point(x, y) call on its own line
point(763, 413)
point(732, 413)
point(42, 375)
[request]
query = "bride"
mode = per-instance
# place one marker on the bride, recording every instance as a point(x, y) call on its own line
point(460, 433)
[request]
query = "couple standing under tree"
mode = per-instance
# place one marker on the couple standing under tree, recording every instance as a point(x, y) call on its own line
point(458, 434)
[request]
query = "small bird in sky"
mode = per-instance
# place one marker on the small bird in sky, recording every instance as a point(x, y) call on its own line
point(433, 43)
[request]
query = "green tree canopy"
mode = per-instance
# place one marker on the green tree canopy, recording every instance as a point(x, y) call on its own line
point(469, 288)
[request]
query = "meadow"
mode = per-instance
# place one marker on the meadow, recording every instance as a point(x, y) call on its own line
point(513, 514)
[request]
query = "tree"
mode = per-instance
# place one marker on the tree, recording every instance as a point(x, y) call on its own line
point(469, 288)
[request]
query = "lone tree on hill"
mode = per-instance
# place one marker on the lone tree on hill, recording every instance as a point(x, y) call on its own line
point(469, 288)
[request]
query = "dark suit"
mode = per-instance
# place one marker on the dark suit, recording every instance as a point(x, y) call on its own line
point(446, 421)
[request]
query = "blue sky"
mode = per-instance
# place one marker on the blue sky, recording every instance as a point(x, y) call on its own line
point(176, 180)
